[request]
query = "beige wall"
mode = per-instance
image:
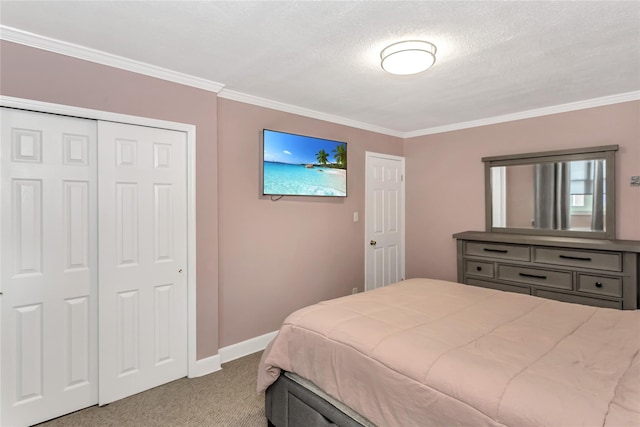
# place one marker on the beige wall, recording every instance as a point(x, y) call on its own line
point(445, 176)
point(39, 75)
point(276, 257)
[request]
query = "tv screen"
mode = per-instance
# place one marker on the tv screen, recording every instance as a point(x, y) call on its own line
point(297, 165)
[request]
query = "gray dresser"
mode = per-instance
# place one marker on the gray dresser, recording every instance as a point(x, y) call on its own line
point(602, 273)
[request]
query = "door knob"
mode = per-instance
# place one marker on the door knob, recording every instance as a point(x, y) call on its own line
point(373, 243)
point(180, 271)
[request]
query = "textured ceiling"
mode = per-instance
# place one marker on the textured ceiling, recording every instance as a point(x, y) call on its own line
point(494, 58)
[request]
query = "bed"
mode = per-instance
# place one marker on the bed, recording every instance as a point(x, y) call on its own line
point(427, 352)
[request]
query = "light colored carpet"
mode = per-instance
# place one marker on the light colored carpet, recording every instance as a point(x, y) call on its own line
point(226, 398)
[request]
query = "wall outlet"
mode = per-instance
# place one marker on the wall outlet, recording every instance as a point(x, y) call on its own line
point(354, 290)
point(635, 181)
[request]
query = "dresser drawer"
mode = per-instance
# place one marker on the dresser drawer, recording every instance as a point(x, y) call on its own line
point(611, 286)
point(478, 268)
point(500, 286)
point(576, 258)
point(577, 299)
point(535, 276)
point(496, 250)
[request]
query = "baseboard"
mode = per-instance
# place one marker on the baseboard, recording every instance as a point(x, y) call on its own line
point(206, 366)
point(212, 364)
point(253, 345)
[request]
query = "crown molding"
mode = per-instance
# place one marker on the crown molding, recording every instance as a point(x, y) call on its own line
point(69, 49)
point(288, 108)
point(556, 109)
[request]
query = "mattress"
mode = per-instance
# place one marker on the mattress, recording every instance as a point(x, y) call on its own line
point(429, 352)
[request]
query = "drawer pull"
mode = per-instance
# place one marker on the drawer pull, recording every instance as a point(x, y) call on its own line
point(500, 251)
point(598, 284)
point(575, 258)
point(533, 276)
point(479, 268)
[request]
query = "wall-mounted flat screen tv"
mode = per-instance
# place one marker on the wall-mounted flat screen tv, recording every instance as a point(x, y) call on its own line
point(297, 165)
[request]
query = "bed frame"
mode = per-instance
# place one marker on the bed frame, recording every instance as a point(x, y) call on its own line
point(290, 404)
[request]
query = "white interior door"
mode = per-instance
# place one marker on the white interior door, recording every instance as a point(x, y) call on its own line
point(143, 258)
point(48, 274)
point(384, 220)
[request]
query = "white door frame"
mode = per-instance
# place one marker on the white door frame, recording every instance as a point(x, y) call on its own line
point(499, 192)
point(368, 156)
point(46, 107)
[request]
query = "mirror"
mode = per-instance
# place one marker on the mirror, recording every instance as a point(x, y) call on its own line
point(564, 193)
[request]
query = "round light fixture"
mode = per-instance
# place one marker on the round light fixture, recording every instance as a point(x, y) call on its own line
point(408, 57)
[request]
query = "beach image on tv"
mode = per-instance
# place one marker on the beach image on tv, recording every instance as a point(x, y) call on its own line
point(299, 165)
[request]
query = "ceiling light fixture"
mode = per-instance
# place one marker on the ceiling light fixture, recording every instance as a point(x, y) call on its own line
point(408, 57)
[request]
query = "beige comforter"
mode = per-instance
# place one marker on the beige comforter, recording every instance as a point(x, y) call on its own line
point(428, 352)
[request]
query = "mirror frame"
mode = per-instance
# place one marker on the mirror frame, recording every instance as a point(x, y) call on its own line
point(606, 152)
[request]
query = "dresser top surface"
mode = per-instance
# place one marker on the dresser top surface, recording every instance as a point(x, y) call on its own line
point(572, 242)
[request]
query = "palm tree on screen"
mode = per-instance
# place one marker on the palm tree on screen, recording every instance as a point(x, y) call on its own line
point(322, 157)
point(340, 155)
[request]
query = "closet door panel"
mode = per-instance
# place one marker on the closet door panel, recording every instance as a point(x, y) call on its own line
point(48, 266)
point(143, 247)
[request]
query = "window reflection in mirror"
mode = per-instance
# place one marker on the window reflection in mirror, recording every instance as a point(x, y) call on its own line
point(550, 195)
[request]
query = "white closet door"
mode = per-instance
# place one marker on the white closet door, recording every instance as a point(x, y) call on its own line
point(143, 258)
point(48, 269)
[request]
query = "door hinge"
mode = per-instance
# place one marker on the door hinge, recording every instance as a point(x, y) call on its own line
point(401, 178)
